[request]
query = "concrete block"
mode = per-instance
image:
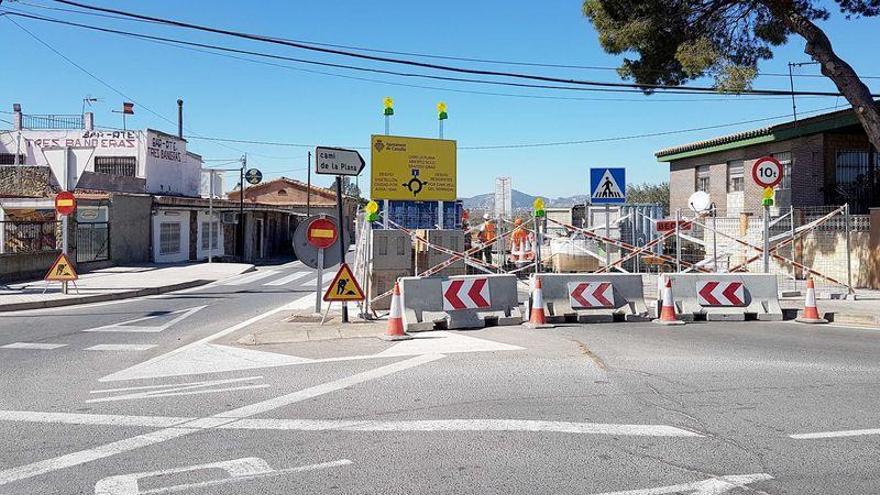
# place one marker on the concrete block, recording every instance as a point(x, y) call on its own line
point(629, 301)
point(423, 304)
point(391, 250)
point(761, 297)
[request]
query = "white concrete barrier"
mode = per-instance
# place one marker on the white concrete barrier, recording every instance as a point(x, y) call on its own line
point(600, 297)
point(726, 296)
point(461, 301)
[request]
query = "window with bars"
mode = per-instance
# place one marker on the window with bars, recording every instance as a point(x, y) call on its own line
point(212, 233)
point(169, 238)
point(702, 178)
point(9, 159)
point(852, 166)
point(116, 165)
point(735, 178)
point(784, 158)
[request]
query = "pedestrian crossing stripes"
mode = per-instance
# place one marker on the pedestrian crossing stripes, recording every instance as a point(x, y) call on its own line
point(251, 277)
point(288, 279)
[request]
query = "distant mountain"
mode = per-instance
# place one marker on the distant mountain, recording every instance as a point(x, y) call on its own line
point(520, 201)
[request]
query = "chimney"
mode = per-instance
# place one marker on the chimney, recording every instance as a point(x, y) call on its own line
point(16, 116)
point(89, 121)
point(180, 118)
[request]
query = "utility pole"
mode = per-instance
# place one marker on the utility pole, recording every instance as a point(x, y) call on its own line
point(241, 205)
point(309, 187)
point(343, 248)
point(791, 84)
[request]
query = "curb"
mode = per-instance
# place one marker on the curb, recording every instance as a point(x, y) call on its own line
point(54, 303)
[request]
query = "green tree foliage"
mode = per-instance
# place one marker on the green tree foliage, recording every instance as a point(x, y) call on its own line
point(680, 40)
point(647, 193)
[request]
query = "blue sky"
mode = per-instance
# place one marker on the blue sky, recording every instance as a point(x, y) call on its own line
point(243, 100)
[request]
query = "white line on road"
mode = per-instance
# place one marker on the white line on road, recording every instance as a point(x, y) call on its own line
point(126, 445)
point(250, 278)
point(712, 486)
point(174, 389)
point(92, 419)
point(32, 345)
point(121, 347)
point(835, 434)
point(169, 385)
point(288, 279)
point(126, 326)
point(502, 425)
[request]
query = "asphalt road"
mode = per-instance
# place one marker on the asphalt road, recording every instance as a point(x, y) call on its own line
point(751, 407)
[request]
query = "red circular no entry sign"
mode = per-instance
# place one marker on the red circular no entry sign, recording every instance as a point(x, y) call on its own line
point(65, 203)
point(322, 233)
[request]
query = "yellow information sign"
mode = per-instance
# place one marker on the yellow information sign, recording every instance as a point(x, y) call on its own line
point(62, 270)
point(344, 287)
point(415, 169)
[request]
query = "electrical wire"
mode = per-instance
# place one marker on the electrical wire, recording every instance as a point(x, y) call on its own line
point(422, 54)
point(424, 65)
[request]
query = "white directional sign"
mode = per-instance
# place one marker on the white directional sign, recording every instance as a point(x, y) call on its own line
point(591, 295)
point(338, 161)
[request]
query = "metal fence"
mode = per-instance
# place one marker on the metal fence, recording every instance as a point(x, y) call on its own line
point(67, 121)
point(92, 241)
point(29, 237)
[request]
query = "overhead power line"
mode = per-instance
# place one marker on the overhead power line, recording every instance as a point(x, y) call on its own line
point(422, 54)
point(424, 65)
point(207, 48)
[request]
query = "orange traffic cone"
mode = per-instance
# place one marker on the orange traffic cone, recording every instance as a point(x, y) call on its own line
point(667, 307)
point(811, 312)
point(537, 317)
point(394, 330)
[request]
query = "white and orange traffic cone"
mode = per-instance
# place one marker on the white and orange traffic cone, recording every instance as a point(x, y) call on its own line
point(394, 331)
point(667, 307)
point(811, 312)
point(537, 315)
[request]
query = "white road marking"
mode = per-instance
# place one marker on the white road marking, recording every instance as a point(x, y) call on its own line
point(246, 469)
point(250, 278)
point(32, 345)
point(92, 419)
point(325, 388)
point(835, 434)
point(178, 389)
point(501, 425)
point(204, 358)
point(205, 340)
point(712, 486)
point(444, 343)
point(121, 347)
point(126, 326)
point(166, 385)
point(288, 279)
point(133, 443)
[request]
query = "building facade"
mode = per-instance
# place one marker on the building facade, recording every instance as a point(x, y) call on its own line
point(827, 160)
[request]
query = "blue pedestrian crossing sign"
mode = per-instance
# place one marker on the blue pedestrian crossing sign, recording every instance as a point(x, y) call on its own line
point(607, 185)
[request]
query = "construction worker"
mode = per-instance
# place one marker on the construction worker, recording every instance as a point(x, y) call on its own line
point(486, 237)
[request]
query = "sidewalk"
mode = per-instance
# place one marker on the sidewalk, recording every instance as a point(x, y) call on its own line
point(119, 282)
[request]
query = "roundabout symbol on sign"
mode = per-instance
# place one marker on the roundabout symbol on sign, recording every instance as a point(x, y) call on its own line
point(767, 172)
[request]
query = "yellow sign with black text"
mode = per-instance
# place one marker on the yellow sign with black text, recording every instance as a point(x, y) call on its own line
point(415, 169)
point(62, 270)
point(344, 287)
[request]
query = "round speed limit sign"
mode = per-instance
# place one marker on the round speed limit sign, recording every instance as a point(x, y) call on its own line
point(767, 172)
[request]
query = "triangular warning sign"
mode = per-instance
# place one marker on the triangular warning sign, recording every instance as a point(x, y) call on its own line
point(344, 287)
point(62, 270)
point(607, 188)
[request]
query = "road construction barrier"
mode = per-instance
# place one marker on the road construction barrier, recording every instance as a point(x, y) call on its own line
point(602, 297)
point(732, 296)
point(459, 301)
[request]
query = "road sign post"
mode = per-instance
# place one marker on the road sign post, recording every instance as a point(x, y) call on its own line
point(65, 204)
point(767, 172)
point(607, 186)
point(339, 162)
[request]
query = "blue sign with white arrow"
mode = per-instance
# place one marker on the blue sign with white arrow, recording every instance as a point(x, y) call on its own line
point(607, 185)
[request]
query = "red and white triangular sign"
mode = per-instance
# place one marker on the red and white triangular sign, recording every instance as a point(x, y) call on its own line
point(344, 287)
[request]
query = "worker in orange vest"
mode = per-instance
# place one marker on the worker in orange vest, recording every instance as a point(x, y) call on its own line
point(486, 236)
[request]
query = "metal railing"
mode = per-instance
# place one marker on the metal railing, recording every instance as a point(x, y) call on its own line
point(92, 241)
point(52, 121)
point(29, 237)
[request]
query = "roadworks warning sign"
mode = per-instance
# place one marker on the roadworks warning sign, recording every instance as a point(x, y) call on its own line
point(344, 287)
point(62, 270)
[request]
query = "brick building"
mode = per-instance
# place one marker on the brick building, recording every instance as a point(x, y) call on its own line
point(827, 160)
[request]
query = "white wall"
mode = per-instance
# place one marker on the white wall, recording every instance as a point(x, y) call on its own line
point(205, 185)
point(203, 235)
point(169, 170)
point(180, 217)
